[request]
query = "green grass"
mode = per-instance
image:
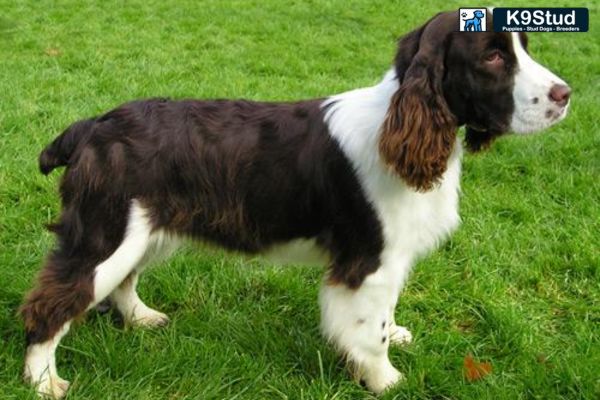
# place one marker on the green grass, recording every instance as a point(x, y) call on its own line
point(517, 285)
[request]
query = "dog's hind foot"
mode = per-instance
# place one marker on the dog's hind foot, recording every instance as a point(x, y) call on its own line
point(54, 388)
point(47, 385)
point(146, 317)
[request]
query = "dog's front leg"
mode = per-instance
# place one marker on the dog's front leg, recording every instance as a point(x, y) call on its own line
point(399, 335)
point(357, 322)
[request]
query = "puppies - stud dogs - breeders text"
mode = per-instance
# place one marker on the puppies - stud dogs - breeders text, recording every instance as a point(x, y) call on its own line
point(369, 179)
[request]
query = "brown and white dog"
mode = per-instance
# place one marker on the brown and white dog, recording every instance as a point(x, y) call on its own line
point(369, 177)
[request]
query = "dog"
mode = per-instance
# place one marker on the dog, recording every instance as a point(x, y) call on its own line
point(369, 178)
point(474, 24)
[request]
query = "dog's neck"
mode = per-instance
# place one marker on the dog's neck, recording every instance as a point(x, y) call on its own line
point(388, 85)
point(355, 118)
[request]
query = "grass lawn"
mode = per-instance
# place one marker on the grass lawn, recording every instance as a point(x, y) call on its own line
point(517, 286)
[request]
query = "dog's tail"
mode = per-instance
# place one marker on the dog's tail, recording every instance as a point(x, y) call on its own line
point(59, 152)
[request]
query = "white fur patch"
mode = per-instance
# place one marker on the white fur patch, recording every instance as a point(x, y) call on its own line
point(40, 366)
point(533, 81)
point(111, 272)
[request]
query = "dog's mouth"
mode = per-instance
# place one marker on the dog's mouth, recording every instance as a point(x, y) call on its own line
point(557, 115)
point(477, 128)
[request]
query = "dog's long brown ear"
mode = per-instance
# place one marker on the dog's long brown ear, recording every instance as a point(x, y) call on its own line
point(419, 131)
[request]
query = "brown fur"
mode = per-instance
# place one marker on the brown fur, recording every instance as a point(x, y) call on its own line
point(478, 140)
point(419, 131)
point(240, 174)
point(418, 135)
point(53, 302)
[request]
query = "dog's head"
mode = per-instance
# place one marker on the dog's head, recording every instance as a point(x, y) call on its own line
point(478, 14)
point(486, 81)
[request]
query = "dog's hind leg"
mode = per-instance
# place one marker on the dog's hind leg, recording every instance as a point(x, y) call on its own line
point(125, 297)
point(69, 285)
point(132, 308)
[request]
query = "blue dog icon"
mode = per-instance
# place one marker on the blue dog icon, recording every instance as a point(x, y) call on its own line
point(474, 24)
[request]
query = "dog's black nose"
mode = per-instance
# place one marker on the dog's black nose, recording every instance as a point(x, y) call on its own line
point(560, 94)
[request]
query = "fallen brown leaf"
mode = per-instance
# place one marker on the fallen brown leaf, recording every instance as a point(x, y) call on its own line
point(543, 359)
point(475, 370)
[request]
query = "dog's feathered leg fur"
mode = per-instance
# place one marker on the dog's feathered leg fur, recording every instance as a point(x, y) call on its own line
point(68, 286)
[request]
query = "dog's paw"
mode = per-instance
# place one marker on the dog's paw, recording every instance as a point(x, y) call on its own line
point(40, 373)
point(53, 387)
point(148, 318)
point(399, 335)
point(382, 379)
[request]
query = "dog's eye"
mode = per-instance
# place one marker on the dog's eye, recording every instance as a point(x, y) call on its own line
point(494, 58)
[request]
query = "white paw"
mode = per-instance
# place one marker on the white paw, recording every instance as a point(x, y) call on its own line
point(40, 371)
point(381, 379)
point(399, 335)
point(148, 318)
point(53, 387)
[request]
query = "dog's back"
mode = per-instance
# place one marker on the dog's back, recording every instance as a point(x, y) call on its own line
point(199, 167)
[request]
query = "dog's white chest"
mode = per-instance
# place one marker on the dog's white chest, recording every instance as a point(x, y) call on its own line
point(414, 223)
